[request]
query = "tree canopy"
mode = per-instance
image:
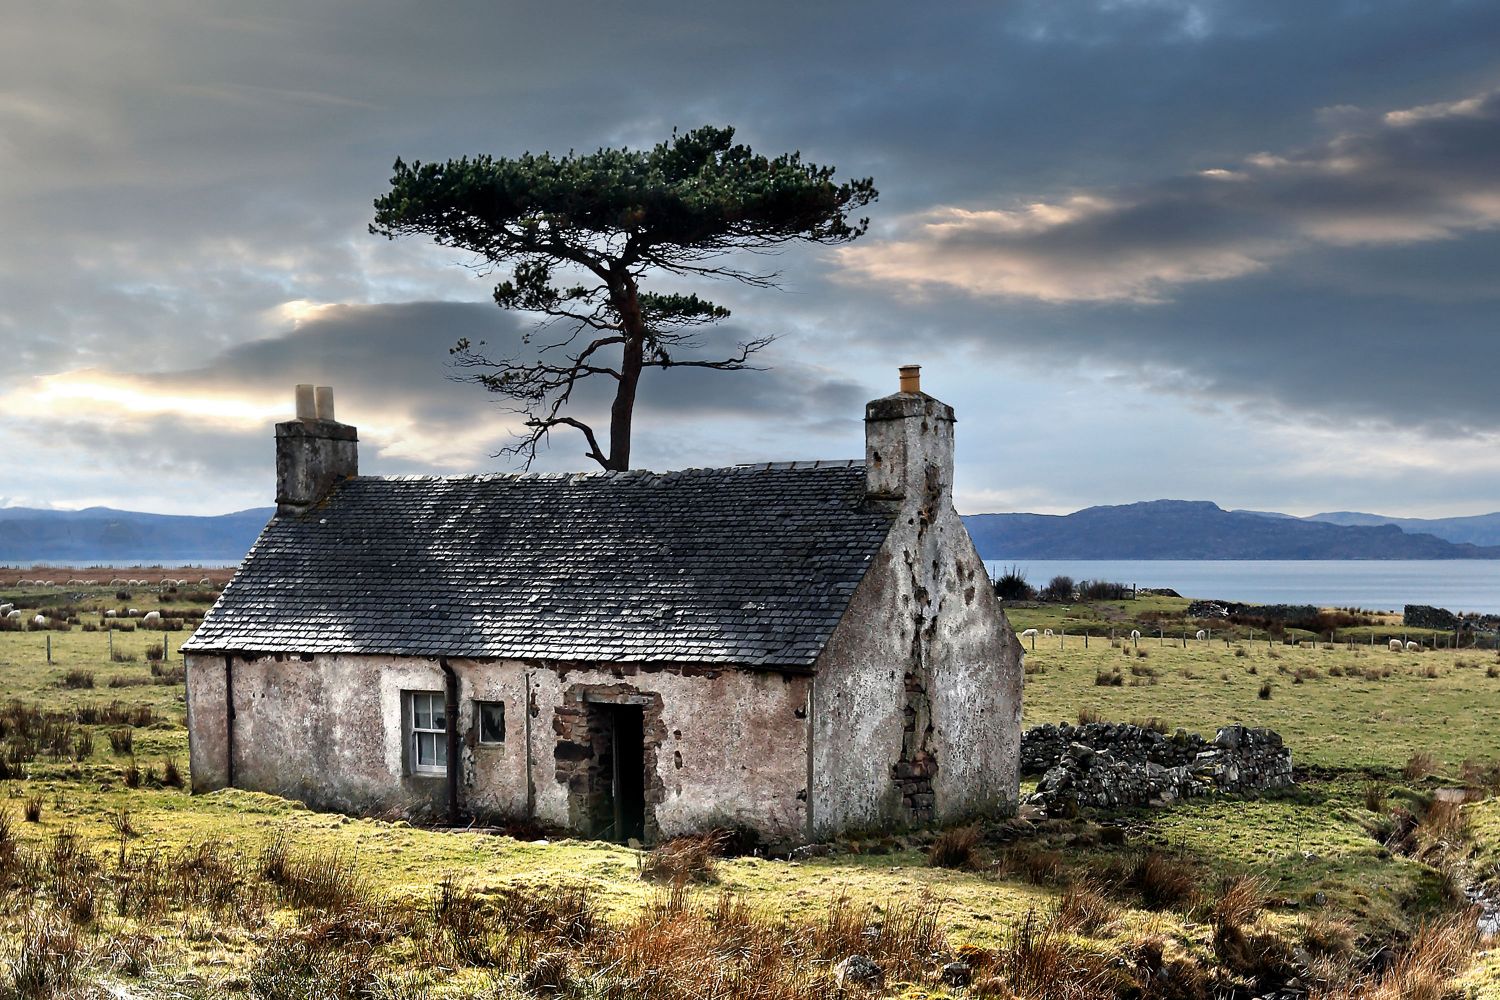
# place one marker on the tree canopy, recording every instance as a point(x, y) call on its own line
point(578, 234)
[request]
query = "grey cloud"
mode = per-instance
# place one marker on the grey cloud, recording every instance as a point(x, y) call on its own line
point(172, 174)
point(1420, 174)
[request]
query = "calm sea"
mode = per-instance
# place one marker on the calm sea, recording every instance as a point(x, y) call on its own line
point(1376, 585)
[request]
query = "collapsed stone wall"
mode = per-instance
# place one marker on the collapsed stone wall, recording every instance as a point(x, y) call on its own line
point(1113, 765)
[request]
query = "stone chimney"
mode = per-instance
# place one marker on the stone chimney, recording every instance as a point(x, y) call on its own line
point(909, 445)
point(314, 453)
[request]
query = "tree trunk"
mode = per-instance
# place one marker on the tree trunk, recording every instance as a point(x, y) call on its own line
point(623, 409)
point(627, 303)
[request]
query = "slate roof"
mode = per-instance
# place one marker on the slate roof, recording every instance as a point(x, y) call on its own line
point(750, 565)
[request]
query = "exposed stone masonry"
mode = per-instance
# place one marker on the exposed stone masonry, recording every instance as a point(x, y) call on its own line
point(1112, 765)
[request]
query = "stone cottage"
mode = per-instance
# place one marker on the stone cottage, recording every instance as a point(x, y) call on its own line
point(797, 648)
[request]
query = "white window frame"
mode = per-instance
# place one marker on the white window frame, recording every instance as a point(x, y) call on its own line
point(423, 706)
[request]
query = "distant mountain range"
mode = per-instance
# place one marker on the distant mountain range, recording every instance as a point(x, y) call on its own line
point(109, 536)
point(1156, 529)
point(1200, 529)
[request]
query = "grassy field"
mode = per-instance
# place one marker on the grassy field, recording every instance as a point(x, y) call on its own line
point(122, 880)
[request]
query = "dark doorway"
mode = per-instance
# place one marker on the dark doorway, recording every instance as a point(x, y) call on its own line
point(628, 767)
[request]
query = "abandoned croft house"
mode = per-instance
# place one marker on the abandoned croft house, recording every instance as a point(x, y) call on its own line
point(796, 649)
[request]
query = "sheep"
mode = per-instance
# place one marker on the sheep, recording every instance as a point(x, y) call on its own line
point(1395, 645)
point(40, 620)
point(14, 616)
point(1201, 635)
point(112, 613)
point(1135, 635)
point(205, 582)
point(132, 612)
point(1412, 647)
point(1047, 634)
point(6, 609)
point(152, 616)
point(1029, 632)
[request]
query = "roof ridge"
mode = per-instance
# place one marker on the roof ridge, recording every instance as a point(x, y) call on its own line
point(742, 468)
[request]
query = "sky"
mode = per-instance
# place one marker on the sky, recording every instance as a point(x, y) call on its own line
point(1242, 251)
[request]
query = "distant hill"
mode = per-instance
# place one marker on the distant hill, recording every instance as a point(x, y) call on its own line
point(122, 536)
point(1199, 529)
point(1478, 529)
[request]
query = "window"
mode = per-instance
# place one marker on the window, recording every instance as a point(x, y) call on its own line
point(428, 719)
point(491, 721)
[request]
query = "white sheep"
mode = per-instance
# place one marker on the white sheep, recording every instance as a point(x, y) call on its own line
point(14, 616)
point(6, 609)
point(132, 612)
point(205, 582)
point(40, 620)
point(1395, 645)
point(1201, 635)
point(1029, 632)
point(1047, 634)
point(1412, 647)
point(1135, 635)
point(152, 616)
point(112, 613)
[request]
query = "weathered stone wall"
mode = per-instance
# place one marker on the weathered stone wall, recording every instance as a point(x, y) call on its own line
point(917, 700)
point(731, 750)
point(1109, 765)
point(326, 731)
point(723, 747)
point(1426, 616)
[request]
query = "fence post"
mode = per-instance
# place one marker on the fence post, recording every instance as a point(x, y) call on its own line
point(49, 649)
point(1062, 634)
point(1161, 635)
point(1033, 642)
point(111, 633)
point(1085, 638)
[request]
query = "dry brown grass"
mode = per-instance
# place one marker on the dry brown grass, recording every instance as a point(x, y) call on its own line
point(956, 848)
point(1424, 970)
point(1084, 908)
point(683, 859)
point(1420, 765)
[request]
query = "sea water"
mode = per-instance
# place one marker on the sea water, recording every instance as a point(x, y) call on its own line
point(1375, 585)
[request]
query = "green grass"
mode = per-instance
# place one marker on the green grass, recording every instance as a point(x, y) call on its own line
point(1344, 722)
point(1316, 840)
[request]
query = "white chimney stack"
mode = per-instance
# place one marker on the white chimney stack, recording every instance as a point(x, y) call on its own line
point(909, 445)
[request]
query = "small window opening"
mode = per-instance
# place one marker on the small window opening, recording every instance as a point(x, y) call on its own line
point(491, 721)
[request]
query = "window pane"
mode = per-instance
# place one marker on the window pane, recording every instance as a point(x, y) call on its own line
point(491, 722)
point(439, 713)
point(425, 750)
point(421, 712)
point(440, 750)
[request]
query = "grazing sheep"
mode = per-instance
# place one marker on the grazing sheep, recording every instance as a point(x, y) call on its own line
point(40, 620)
point(1135, 635)
point(1395, 645)
point(1029, 632)
point(1201, 635)
point(132, 612)
point(1047, 634)
point(14, 616)
point(205, 582)
point(111, 613)
point(152, 616)
point(6, 609)
point(1412, 647)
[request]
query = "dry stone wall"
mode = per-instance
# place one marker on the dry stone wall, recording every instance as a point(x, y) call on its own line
point(1114, 765)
